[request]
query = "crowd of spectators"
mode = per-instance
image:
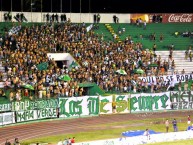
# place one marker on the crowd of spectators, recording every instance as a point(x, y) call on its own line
point(99, 61)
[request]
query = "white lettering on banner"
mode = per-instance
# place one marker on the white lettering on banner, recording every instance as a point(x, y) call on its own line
point(180, 18)
point(5, 107)
point(7, 118)
point(181, 100)
point(33, 105)
point(46, 113)
point(26, 115)
point(36, 114)
point(106, 105)
point(150, 102)
point(166, 78)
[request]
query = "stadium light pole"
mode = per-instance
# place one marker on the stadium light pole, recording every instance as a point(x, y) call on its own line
point(41, 11)
point(31, 10)
point(11, 5)
point(89, 11)
point(61, 6)
point(21, 5)
point(70, 8)
point(1, 12)
point(51, 5)
point(80, 11)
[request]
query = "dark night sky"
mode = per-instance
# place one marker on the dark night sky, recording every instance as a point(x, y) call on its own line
point(103, 6)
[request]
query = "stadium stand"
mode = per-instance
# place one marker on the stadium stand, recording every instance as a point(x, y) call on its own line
point(105, 56)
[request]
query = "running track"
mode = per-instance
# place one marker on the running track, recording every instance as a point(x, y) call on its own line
point(54, 127)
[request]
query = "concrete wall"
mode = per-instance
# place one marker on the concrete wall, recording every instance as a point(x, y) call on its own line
point(61, 57)
point(75, 17)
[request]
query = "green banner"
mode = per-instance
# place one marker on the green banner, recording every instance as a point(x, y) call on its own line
point(79, 106)
point(106, 105)
point(181, 100)
point(36, 114)
point(7, 118)
point(5, 107)
point(150, 102)
point(121, 103)
point(46, 113)
point(34, 105)
point(42, 66)
point(26, 115)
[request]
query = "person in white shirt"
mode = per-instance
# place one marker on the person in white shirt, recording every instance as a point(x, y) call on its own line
point(172, 85)
point(60, 143)
point(144, 25)
point(146, 133)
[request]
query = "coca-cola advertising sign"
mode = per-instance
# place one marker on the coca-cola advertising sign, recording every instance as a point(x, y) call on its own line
point(177, 18)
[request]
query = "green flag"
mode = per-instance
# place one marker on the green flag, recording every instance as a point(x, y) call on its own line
point(139, 71)
point(73, 65)
point(42, 66)
point(29, 87)
point(122, 72)
point(64, 78)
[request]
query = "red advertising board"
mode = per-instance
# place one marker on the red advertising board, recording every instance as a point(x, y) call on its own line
point(177, 18)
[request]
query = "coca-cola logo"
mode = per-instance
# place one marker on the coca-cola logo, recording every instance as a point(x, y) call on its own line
point(180, 18)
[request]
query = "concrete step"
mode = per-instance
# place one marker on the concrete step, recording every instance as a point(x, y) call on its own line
point(184, 67)
point(179, 60)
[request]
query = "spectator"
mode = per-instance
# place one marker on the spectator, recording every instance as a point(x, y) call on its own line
point(174, 122)
point(173, 66)
point(171, 85)
point(154, 47)
point(154, 37)
point(73, 140)
point(192, 87)
point(180, 86)
point(16, 142)
point(167, 125)
point(144, 25)
point(5, 17)
point(190, 56)
point(56, 17)
point(47, 17)
point(98, 18)
point(95, 18)
point(186, 54)
point(161, 37)
point(147, 134)
point(171, 47)
point(9, 16)
point(114, 106)
point(60, 142)
point(183, 71)
point(115, 19)
point(69, 141)
point(7, 142)
point(189, 120)
point(186, 85)
point(161, 17)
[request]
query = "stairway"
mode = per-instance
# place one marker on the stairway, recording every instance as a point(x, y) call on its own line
point(179, 60)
